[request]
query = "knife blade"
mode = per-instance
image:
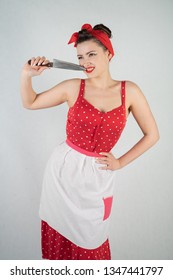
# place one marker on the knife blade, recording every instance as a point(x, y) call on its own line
point(62, 65)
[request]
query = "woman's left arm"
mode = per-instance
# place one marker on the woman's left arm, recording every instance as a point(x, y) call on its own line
point(137, 104)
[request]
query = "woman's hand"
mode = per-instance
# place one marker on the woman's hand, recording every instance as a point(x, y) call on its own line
point(109, 161)
point(34, 69)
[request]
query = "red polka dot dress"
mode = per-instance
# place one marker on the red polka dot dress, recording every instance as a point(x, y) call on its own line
point(77, 196)
point(57, 247)
point(93, 130)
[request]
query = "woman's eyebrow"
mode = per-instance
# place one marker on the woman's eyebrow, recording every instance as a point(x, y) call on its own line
point(86, 53)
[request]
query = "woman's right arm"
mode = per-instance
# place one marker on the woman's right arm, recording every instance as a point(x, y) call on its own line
point(52, 97)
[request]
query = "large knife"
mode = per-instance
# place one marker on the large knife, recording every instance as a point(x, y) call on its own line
point(62, 64)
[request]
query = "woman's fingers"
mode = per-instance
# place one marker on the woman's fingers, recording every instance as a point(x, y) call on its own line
point(45, 62)
point(103, 160)
point(32, 61)
point(38, 61)
point(41, 60)
point(37, 66)
point(35, 62)
point(108, 161)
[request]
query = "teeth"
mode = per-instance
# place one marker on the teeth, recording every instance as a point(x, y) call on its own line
point(90, 69)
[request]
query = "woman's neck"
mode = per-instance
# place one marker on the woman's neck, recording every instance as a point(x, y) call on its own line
point(101, 82)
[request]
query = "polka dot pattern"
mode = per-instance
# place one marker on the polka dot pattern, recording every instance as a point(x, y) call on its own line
point(57, 247)
point(91, 129)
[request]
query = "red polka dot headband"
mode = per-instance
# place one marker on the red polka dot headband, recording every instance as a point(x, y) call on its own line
point(98, 34)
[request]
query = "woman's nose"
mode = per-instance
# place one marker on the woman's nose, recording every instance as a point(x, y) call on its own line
point(86, 63)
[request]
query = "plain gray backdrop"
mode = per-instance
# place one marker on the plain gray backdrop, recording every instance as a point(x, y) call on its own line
point(142, 214)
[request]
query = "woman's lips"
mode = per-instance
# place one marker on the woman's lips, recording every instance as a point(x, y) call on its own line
point(89, 69)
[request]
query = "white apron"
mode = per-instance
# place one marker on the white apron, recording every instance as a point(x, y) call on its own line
point(77, 197)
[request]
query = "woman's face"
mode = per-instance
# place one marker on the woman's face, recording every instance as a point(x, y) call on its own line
point(93, 57)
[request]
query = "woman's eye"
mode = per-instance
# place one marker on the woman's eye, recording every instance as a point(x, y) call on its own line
point(92, 54)
point(79, 57)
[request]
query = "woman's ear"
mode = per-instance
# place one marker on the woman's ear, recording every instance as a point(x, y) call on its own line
point(110, 56)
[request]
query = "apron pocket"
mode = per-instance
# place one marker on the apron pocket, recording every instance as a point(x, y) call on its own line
point(107, 207)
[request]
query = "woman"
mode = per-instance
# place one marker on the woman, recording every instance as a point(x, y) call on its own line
point(80, 175)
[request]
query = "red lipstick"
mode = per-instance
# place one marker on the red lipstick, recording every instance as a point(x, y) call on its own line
point(89, 69)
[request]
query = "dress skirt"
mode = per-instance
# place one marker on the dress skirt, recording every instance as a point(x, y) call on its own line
point(75, 205)
point(57, 247)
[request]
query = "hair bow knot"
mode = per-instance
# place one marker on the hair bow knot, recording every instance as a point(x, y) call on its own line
point(98, 34)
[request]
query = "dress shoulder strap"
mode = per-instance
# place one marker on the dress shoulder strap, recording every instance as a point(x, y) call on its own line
point(123, 92)
point(82, 87)
point(81, 91)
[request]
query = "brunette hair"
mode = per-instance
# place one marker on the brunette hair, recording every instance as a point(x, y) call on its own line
point(84, 35)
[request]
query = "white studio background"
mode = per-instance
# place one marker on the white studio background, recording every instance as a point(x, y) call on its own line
point(142, 214)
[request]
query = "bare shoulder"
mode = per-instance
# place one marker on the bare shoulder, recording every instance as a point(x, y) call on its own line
point(132, 88)
point(138, 105)
point(70, 85)
point(134, 94)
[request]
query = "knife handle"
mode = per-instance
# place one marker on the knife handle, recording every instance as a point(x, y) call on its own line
point(49, 64)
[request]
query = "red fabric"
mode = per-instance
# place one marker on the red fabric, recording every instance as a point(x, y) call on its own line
point(93, 130)
point(82, 151)
point(108, 205)
point(57, 247)
point(98, 34)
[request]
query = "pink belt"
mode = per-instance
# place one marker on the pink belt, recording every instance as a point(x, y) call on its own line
point(82, 151)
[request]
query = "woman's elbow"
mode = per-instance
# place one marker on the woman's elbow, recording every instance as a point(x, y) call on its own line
point(154, 137)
